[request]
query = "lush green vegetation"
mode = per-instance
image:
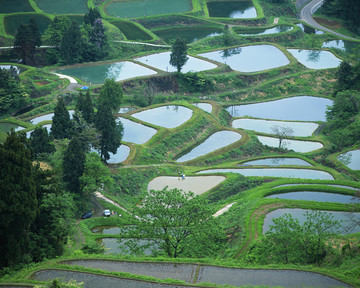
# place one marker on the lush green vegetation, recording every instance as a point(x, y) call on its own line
point(63, 192)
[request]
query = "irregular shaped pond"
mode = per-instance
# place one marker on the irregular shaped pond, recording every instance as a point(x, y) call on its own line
point(7, 67)
point(7, 126)
point(309, 30)
point(63, 6)
point(12, 6)
point(300, 108)
point(189, 34)
point(277, 29)
point(266, 126)
point(118, 246)
point(214, 274)
point(276, 162)
point(135, 132)
point(143, 8)
point(169, 116)
point(98, 73)
point(198, 185)
point(250, 58)
point(275, 172)
point(232, 9)
point(314, 196)
point(48, 117)
point(161, 62)
point(300, 215)
point(111, 230)
point(315, 59)
point(95, 280)
point(124, 110)
point(295, 145)
point(351, 159)
point(121, 154)
point(344, 45)
point(216, 141)
point(207, 107)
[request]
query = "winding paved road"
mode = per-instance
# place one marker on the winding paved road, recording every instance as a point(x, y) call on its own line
point(306, 16)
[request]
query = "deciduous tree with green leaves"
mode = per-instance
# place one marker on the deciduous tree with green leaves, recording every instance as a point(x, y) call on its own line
point(178, 223)
point(111, 94)
point(178, 56)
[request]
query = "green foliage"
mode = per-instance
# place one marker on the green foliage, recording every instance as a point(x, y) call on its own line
point(91, 16)
point(111, 131)
point(55, 32)
point(194, 82)
point(12, 92)
point(17, 199)
point(344, 76)
point(178, 222)
point(41, 141)
point(71, 45)
point(62, 126)
point(85, 106)
point(178, 56)
point(111, 94)
point(96, 175)
point(26, 40)
point(73, 166)
point(288, 241)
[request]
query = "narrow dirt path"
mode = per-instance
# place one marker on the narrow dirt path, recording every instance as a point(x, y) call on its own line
point(253, 223)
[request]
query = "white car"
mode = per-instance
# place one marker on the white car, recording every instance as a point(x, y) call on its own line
point(107, 213)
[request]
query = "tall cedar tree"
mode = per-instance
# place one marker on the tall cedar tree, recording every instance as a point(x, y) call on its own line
point(12, 93)
point(27, 38)
point(71, 45)
point(61, 123)
point(91, 16)
point(85, 106)
point(111, 94)
point(178, 56)
point(73, 165)
point(17, 199)
point(111, 131)
point(41, 141)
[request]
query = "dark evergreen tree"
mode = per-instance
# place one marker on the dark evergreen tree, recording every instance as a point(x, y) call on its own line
point(178, 56)
point(35, 33)
point(71, 45)
point(61, 123)
point(344, 76)
point(91, 16)
point(85, 106)
point(111, 131)
point(111, 94)
point(12, 93)
point(73, 165)
point(41, 141)
point(17, 199)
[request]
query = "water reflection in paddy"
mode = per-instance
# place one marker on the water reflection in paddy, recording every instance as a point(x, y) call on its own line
point(250, 58)
point(277, 29)
point(343, 45)
point(265, 126)
point(135, 132)
point(169, 116)
point(232, 9)
point(189, 34)
point(47, 126)
point(121, 154)
point(314, 196)
point(124, 110)
point(295, 145)
point(309, 30)
point(207, 107)
point(98, 73)
point(192, 273)
point(277, 162)
point(48, 117)
point(351, 159)
point(332, 185)
point(112, 230)
point(275, 172)
point(315, 59)
point(300, 215)
point(214, 142)
point(300, 108)
point(117, 246)
point(143, 8)
point(161, 62)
